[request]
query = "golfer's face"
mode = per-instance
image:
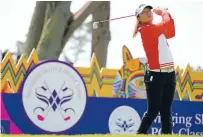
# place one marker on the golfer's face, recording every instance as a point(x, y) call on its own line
point(146, 15)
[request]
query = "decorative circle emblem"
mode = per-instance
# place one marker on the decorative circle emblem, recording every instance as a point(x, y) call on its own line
point(124, 120)
point(54, 96)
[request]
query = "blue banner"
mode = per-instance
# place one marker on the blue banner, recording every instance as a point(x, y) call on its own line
point(110, 115)
point(5, 127)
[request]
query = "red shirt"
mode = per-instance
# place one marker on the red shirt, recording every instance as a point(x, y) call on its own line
point(154, 38)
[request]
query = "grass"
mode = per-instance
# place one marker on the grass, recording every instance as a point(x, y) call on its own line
point(3, 135)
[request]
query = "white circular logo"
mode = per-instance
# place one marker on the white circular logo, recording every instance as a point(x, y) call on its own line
point(54, 96)
point(124, 120)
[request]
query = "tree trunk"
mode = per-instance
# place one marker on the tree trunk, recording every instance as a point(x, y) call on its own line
point(101, 36)
point(50, 44)
point(35, 29)
point(59, 25)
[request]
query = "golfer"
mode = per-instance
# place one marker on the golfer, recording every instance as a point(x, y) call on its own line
point(160, 79)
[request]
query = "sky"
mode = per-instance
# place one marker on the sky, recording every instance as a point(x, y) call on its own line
point(186, 46)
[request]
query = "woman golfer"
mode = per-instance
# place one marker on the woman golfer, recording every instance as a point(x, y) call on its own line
point(160, 79)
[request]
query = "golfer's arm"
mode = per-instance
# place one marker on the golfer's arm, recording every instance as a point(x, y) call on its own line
point(166, 17)
point(167, 26)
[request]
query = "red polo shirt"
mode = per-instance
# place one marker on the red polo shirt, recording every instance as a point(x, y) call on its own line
point(154, 39)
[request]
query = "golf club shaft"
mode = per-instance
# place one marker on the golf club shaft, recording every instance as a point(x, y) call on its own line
point(121, 17)
point(116, 18)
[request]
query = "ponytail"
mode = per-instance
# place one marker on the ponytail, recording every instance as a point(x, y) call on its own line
point(136, 29)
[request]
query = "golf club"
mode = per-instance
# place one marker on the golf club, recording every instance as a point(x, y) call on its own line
point(96, 24)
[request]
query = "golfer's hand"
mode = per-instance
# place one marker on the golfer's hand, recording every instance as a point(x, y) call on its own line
point(159, 11)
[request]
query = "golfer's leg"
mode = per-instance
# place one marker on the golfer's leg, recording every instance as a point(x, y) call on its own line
point(167, 99)
point(154, 92)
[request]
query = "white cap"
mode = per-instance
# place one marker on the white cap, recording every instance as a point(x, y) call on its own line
point(141, 8)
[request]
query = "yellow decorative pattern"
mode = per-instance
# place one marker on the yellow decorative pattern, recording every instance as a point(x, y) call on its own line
point(15, 72)
point(101, 80)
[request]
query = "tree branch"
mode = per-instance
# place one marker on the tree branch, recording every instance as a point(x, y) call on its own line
point(79, 17)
